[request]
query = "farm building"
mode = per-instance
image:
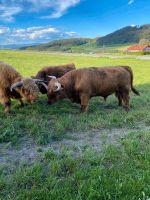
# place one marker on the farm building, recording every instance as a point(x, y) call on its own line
point(137, 47)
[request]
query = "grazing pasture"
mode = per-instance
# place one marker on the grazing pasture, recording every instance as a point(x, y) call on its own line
point(56, 152)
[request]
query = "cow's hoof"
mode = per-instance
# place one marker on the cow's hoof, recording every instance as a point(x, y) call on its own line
point(83, 109)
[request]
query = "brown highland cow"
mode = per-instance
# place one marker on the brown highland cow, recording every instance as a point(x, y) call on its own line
point(56, 71)
point(12, 85)
point(82, 84)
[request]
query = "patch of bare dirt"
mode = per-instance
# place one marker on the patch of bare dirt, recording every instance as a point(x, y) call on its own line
point(26, 151)
point(76, 143)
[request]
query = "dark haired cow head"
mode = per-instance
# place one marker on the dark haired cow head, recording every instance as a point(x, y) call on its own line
point(28, 89)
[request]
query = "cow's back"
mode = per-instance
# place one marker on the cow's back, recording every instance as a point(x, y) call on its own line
point(57, 71)
point(98, 80)
point(7, 75)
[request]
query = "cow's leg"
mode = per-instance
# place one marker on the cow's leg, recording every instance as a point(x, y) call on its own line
point(84, 102)
point(125, 98)
point(21, 102)
point(118, 95)
point(7, 106)
point(6, 101)
point(105, 98)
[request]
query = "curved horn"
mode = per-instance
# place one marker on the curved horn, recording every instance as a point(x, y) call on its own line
point(42, 83)
point(58, 87)
point(53, 77)
point(15, 85)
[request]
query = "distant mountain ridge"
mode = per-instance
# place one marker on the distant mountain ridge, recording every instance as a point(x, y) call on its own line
point(126, 35)
point(129, 34)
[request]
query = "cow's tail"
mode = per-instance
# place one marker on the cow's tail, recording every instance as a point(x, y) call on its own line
point(131, 74)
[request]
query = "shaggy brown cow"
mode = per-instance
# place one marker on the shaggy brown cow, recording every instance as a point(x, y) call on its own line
point(82, 84)
point(56, 71)
point(12, 85)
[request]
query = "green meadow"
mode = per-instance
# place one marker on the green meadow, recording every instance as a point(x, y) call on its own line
point(115, 170)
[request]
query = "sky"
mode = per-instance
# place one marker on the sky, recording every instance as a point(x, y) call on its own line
point(40, 21)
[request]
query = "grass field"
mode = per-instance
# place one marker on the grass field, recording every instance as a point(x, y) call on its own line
point(115, 170)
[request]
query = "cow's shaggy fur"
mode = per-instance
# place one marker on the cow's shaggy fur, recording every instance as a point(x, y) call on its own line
point(56, 71)
point(9, 76)
point(30, 86)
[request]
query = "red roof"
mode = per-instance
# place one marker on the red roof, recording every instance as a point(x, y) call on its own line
point(137, 47)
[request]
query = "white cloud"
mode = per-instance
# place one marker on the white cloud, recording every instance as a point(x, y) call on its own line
point(3, 30)
point(33, 33)
point(71, 34)
point(130, 2)
point(55, 8)
point(38, 34)
point(60, 7)
point(7, 12)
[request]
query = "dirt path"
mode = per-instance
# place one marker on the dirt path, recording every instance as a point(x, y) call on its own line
point(28, 151)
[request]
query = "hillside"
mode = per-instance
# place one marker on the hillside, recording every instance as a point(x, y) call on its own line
point(124, 36)
point(61, 45)
point(129, 34)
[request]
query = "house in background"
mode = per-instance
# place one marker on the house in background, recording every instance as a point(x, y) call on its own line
point(138, 47)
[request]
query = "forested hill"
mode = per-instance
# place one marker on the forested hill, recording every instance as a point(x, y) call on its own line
point(129, 34)
point(60, 45)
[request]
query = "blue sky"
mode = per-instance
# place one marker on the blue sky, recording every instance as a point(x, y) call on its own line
point(36, 21)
